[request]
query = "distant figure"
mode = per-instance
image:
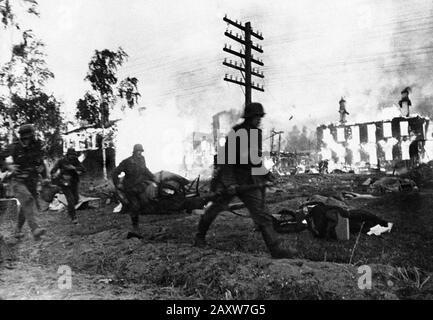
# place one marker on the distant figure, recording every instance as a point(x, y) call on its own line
point(343, 111)
point(405, 102)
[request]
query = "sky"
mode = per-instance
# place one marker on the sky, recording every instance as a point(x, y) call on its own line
point(315, 52)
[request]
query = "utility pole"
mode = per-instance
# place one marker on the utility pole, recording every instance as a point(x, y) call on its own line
point(247, 58)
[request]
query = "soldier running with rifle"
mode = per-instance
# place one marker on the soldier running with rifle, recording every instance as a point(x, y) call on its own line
point(239, 172)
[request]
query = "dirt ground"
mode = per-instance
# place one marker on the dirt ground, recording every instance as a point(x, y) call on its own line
point(235, 265)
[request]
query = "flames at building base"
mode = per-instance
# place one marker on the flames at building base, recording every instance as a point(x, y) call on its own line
point(376, 145)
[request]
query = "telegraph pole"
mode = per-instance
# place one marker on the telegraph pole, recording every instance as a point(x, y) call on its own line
point(247, 58)
point(247, 63)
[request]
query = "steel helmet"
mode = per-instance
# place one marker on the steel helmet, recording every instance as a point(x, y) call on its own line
point(138, 147)
point(26, 130)
point(253, 109)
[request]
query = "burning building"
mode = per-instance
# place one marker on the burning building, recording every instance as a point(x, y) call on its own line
point(378, 144)
point(222, 123)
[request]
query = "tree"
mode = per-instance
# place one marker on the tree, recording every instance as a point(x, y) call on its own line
point(8, 17)
point(95, 106)
point(25, 77)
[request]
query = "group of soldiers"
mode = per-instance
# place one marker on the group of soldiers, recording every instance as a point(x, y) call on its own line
point(24, 162)
point(140, 186)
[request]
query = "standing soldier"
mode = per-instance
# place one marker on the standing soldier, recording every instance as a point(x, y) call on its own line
point(229, 178)
point(66, 174)
point(138, 185)
point(28, 165)
point(405, 102)
point(343, 112)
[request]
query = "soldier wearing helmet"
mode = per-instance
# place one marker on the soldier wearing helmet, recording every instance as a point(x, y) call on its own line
point(28, 166)
point(237, 170)
point(138, 185)
point(66, 174)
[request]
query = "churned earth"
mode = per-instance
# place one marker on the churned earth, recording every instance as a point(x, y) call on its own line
point(104, 264)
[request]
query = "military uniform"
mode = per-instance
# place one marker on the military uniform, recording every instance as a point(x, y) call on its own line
point(28, 160)
point(228, 175)
point(68, 179)
point(135, 185)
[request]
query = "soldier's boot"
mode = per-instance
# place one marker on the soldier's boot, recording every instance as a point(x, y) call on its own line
point(203, 226)
point(274, 245)
point(38, 233)
point(200, 237)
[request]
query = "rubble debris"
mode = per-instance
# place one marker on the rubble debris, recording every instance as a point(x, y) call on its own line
point(422, 175)
point(352, 195)
point(377, 230)
point(393, 184)
point(118, 208)
point(59, 202)
point(367, 182)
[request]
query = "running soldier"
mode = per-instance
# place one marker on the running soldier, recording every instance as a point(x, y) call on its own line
point(27, 168)
point(230, 176)
point(138, 185)
point(66, 174)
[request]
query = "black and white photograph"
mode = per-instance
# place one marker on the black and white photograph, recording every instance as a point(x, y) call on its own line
point(214, 156)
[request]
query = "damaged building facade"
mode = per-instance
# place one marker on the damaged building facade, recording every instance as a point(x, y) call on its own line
point(378, 144)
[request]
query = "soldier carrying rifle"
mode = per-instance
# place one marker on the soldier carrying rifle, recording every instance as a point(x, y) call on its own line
point(232, 175)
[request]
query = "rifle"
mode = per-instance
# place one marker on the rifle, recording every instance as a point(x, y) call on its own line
point(200, 201)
